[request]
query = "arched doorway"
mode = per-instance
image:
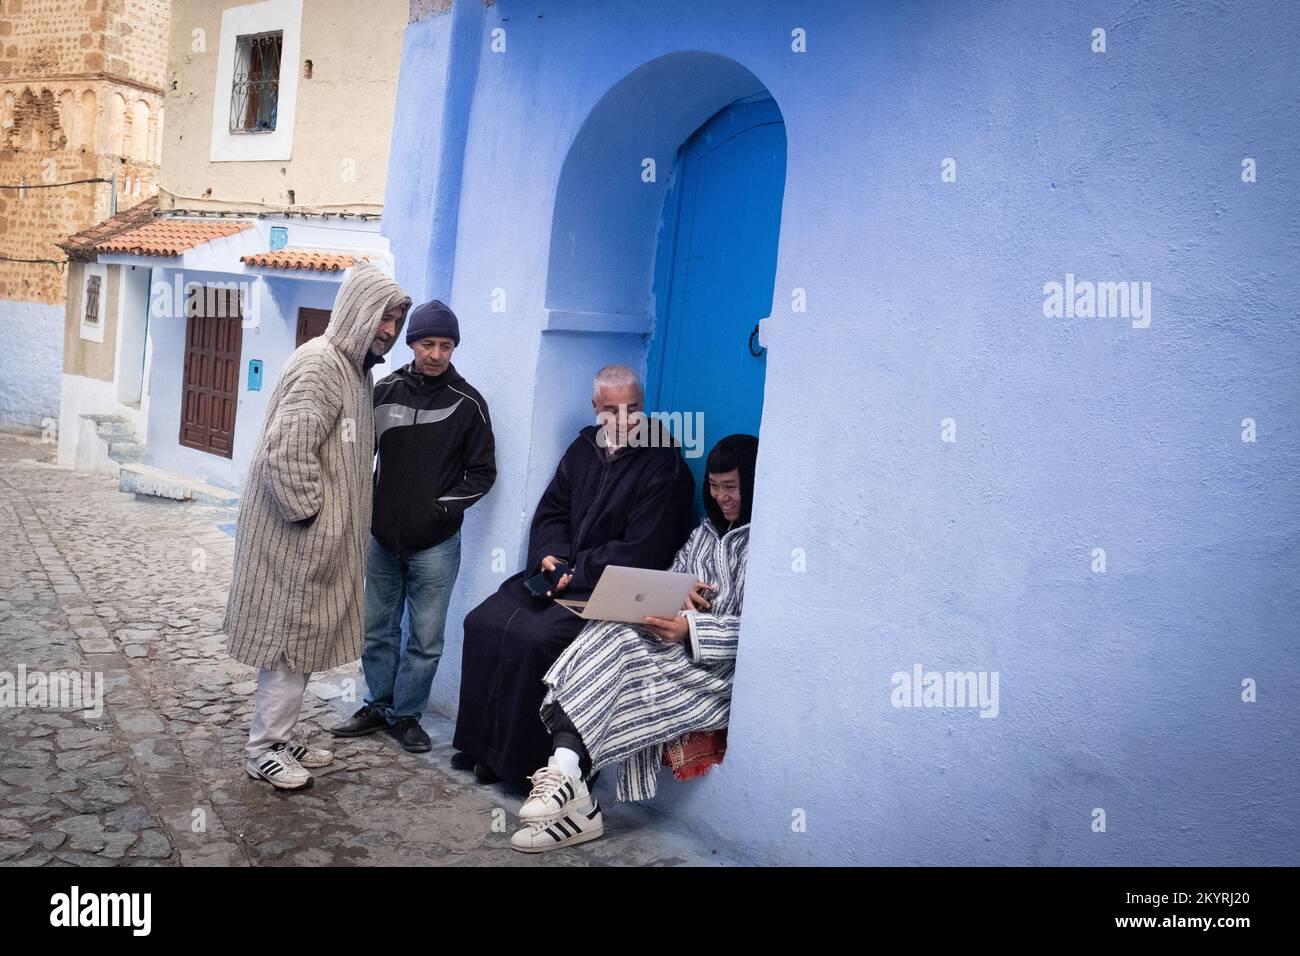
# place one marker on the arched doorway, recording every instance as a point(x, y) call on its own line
point(604, 298)
point(714, 275)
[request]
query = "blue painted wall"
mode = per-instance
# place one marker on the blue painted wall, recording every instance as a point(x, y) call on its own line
point(31, 361)
point(1118, 690)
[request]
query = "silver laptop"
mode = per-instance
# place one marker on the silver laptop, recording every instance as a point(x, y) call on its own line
point(630, 594)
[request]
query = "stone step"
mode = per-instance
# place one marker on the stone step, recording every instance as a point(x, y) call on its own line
point(126, 451)
point(111, 427)
point(97, 437)
point(141, 479)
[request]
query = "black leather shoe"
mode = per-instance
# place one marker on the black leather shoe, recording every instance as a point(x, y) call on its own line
point(411, 735)
point(485, 774)
point(462, 761)
point(367, 720)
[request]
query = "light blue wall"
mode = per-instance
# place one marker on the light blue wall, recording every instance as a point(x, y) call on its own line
point(1118, 690)
point(271, 340)
point(31, 360)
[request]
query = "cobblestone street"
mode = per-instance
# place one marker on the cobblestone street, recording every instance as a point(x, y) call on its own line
point(94, 580)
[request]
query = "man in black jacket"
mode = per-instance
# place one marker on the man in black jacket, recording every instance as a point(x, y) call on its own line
point(613, 500)
point(436, 458)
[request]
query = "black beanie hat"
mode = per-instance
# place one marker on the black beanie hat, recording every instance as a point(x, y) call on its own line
point(433, 319)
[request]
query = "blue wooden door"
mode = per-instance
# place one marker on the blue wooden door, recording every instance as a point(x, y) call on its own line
point(715, 271)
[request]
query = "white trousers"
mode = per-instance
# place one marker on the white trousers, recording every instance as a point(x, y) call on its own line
point(276, 707)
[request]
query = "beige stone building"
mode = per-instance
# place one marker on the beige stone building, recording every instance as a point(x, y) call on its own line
point(273, 169)
point(335, 65)
point(81, 123)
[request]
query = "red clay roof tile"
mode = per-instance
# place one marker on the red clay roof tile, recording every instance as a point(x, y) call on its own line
point(81, 245)
point(309, 259)
point(167, 236)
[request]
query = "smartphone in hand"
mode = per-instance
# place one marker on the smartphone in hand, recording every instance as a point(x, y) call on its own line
point(539, 585)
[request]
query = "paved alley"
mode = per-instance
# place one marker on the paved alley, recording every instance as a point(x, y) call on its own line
point(131, 592)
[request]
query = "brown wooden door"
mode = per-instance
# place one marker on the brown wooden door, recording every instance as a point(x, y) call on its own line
point(311, 323)
point(210, 393)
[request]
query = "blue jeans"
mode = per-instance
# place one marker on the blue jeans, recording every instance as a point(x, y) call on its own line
point(397, 679)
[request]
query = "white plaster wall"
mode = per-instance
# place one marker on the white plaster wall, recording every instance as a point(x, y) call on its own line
point(31, 360)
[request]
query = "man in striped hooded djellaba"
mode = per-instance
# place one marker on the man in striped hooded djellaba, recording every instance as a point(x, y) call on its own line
point(295, 602)
point(621, 692)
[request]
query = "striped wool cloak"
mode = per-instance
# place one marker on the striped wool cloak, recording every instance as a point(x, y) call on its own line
point(628, 693)
point(304, 517)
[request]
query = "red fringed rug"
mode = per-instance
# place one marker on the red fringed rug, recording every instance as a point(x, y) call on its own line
point(691, 755)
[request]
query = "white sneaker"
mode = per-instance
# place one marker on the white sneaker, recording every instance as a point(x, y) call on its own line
point(308, 756)
point(279, 768)
point(576, 826)
point(554, 793)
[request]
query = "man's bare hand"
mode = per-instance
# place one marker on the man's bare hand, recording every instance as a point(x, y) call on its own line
point(695, 600)
point(549, 564)
point(671, 630)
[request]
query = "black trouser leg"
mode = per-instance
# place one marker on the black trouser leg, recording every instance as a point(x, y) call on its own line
point(566, 735)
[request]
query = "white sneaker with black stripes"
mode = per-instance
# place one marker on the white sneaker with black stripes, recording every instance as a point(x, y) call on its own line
point(279, 768)
point(580, 823)
point(554, 792)
point(309, 757)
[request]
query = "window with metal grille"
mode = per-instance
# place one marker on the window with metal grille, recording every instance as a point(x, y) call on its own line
point(256, 91)
point(92, 300)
